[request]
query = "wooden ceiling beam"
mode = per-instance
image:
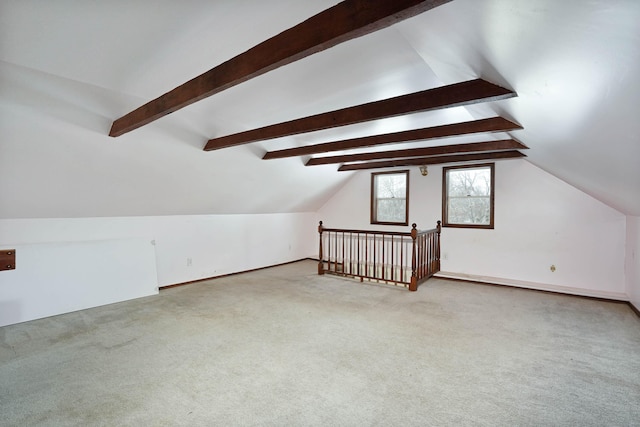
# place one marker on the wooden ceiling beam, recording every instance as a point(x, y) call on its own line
point(493, 124)
point(501, 145)
point(432, 160)
point(347, 20)
point(465, 93)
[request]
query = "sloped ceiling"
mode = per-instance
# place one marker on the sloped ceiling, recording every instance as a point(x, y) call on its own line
point(69, 68)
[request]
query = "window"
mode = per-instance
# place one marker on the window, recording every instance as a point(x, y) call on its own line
point(390, 198)
point(467, 196)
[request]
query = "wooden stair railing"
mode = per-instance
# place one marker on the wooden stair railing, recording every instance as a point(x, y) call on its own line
point(400, 258)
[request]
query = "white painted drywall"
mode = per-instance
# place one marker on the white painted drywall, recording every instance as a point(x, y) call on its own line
point(70, 264)
point(224, 244)
point(60, 277)
point(539, 221)
point(632, 261)
point(57, 160)
point(69, 68)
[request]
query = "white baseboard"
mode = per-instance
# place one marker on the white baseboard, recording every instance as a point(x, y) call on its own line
point(534, 285)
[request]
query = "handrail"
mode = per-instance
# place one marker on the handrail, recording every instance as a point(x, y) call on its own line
point(392, 233)
point(405, 258)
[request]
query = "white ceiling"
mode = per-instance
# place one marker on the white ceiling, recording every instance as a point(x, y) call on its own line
point(68, 68)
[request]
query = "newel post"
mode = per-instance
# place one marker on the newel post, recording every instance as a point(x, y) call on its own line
point(320, 263)
point(413, 286)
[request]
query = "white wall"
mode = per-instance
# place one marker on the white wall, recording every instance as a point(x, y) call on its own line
point(632, 261)
point(57, 160)
point(64, 265)
point(223, 244)
point(55, 278)
point(539, 221)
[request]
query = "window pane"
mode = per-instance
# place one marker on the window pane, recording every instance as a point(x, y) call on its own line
point(390, 198)
point(389, 186)
point(469, 182)
point(391, 210)
point(468, 196)
point(469, 210)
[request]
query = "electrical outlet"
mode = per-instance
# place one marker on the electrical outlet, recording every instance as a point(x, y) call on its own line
point(445, 255)
point(189, 262)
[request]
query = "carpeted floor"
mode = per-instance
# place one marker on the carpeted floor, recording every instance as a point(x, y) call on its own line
point(284, 347)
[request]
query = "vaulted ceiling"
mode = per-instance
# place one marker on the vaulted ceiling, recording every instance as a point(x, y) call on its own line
point(68, 69)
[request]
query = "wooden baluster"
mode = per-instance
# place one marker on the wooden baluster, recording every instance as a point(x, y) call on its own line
point(430, 259)
point(439, 229)
point(327, 248)
point(413, 286)
point(366, 255)
point(401, 259)
point(422, 251)
point(433, 253)
point(423, 255)
point(434, 257)
point(384, 260)
point(344, 261)
point(376, 255)
point(329, 251)
point(427, 255)
point(429, 265)
point(320, 263)
point(420, 255)
point(350, 252)
point(380, 274)
point(335, 253)
point(392, 260)
point(375, 243)
point(385, 272)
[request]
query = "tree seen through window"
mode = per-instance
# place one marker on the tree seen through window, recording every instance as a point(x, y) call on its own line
point(468, 200)
point(389, 198)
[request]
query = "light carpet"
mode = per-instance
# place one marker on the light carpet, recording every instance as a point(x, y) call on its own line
point(285, 347)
